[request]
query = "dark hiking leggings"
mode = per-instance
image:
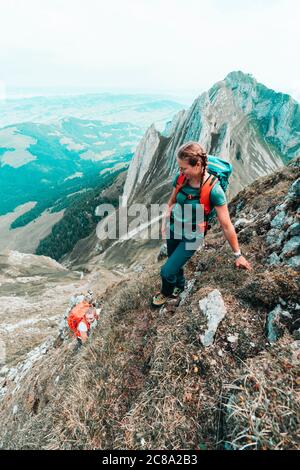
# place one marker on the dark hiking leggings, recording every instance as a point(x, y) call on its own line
point(171, 272)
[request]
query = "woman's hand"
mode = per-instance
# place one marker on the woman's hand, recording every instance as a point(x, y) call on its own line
point(241, 262)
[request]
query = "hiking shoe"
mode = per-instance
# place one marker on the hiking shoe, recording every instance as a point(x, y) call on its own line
point(159, 299)
point(176, 292)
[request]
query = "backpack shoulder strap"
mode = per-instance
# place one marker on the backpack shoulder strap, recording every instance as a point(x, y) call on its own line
point(205, 193)
point(205, 201)
point(181, 180)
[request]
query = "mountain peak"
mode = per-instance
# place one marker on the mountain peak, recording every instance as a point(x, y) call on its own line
point(239, 76)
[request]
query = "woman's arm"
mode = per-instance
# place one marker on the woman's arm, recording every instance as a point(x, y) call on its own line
point(83, 336)
point(230, 235)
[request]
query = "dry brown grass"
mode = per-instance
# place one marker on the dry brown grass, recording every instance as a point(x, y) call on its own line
point(262, 405)
point(144, 381)
point(135, 385)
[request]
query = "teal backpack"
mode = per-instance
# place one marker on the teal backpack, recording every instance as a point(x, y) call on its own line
point(221, 168)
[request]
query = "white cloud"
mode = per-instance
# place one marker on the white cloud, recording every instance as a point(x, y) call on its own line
point(148, 45)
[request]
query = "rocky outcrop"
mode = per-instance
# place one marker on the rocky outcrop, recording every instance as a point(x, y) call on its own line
point(12, 377)
point(276, 114)
point(283, 237)
point(140, 164)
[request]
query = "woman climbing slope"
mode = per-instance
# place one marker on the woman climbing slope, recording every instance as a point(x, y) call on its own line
point(197, 194)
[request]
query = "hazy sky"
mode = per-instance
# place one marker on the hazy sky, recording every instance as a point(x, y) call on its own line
point(148, 45)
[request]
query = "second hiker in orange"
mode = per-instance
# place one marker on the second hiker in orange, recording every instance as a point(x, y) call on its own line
point(82, 318)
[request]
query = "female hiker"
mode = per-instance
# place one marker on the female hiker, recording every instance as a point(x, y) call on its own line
point(194, 188)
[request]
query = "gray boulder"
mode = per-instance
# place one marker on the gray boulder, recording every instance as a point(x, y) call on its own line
point(273, 259)
point(274, 326)
point(213, 308)
point(291, 247)
point(294, 262)
point(294, 191)
point(278, 220)
point(275, 238)
point(163, 252)
point(295, 229)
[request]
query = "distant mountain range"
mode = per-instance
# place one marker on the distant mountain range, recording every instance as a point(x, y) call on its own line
point(138, 109)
